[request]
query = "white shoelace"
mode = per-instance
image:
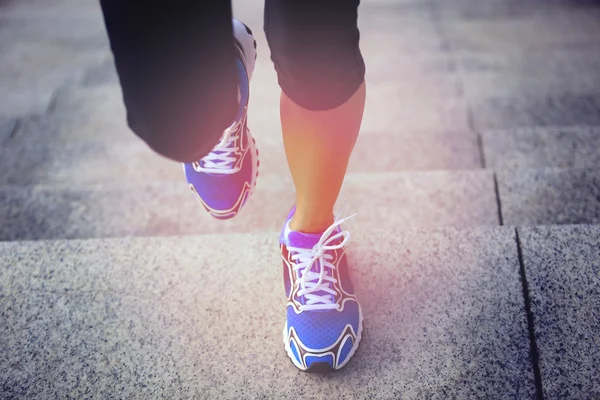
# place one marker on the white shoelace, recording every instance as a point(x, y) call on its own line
point(220, 160)
point(306, 258)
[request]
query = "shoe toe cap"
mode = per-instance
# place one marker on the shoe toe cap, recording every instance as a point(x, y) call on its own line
point(326, 337)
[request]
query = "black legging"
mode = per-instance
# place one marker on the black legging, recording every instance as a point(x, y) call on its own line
point(176, 64)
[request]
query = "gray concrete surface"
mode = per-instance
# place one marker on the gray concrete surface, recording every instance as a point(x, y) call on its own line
point(562, 110)
point(78, 30)
point(453, 86)
point(513, 32)
point(550, 196)
point(563, 271)
point(558, 147)
point(7, 127)
point(44, 45)
point(151, 318)
point(87, 150)
point(480, 85)
point(26, 102)
point(403, 200)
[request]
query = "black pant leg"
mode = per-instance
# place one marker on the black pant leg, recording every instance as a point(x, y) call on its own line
point(315, 49)
point(176, 65)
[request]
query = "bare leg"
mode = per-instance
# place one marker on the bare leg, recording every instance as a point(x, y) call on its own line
point(318, 145)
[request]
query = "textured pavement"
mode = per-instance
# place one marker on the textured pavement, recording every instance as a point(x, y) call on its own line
point(151, 317)
point(476, 180)
point(419, 199)
point(563, 269)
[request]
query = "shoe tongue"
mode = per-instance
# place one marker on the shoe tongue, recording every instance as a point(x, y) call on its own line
point(300, 239)
point(306, 241)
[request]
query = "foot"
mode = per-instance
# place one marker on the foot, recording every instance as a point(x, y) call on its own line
point(324, 319)
point(225, 178)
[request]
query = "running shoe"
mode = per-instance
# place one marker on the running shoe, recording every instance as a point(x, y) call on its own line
point(224, 179)
point(324, 319)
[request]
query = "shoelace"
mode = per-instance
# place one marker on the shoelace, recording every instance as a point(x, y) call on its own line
point(306, 258)
point(220, 160)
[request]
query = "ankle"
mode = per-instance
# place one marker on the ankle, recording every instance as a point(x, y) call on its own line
point(310, 225)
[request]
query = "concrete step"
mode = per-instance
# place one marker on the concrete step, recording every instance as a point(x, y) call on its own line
point(485, 84)
point(90, 143)
point(443, 75)
point(550, 196)
point(26, 102)
point(413, 75)
point(536, 110)
point(538, 72)
point(535, 28)
point(7, 128)
point(31, 72)
point(44, 45)
point(506, 10)
point(52, 29)
point(44, 8)
point(552, 61)
point(425, 102)
point(553, 146)
point(562, 265)
point(201, 316)
point(410, 199)
point(102, 152)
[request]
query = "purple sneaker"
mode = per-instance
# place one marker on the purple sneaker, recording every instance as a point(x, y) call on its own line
point(225, 178)
point(324, 319)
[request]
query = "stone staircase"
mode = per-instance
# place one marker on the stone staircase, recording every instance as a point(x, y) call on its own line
point(475, 251)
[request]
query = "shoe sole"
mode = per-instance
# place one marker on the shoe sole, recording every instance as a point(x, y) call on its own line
point(247, 43)
point(322, 367)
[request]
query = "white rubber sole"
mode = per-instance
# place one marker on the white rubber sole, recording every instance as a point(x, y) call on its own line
point(255, 165)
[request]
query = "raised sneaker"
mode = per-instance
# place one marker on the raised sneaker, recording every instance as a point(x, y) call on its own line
point(224, 179)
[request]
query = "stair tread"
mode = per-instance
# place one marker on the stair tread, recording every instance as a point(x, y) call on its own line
point(180, 301)
point(553, 146)
point(418, 199)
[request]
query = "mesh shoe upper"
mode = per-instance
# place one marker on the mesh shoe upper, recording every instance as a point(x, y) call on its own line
point(224, 193)
point(321, 329)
